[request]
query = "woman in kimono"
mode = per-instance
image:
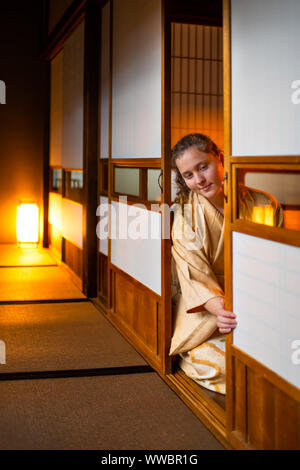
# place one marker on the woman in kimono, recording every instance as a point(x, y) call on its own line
point(200, 317)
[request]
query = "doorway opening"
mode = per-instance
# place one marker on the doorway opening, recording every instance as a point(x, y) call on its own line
point(197, 107)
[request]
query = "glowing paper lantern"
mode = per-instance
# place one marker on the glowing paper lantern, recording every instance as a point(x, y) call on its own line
point(263, 215)
point(258, 214)
point(269, 215)
point(27, 223)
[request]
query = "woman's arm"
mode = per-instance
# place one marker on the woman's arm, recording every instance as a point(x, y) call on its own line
point(226, 320)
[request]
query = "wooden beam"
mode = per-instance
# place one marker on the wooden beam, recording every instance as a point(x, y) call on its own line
point(91, 144)
point(46, 159)
point(166, 317)
point(69, 22)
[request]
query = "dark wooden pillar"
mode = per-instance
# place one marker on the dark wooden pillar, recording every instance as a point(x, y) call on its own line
point(91, 144)
point(46, 158)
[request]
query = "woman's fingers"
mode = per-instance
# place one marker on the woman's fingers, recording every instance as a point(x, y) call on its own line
point(226, 322)
point(227, 317)
point(225, 325)
point(227, 314)
point(224, 330)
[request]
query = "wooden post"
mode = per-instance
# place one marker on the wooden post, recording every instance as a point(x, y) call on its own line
point(91, 146)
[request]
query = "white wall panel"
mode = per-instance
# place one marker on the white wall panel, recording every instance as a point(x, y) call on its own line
point(136, 243)
point(266, 300)
point(56, 110)
point(105, 81)
point(265, 37)
point(73, 100)
point(136, 98)
point(71, 217)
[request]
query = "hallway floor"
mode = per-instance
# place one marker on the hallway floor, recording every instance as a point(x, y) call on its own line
point(70, 380)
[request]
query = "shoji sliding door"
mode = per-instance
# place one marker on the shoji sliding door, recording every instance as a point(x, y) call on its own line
point(72, 155)
point(66, 151)
point(262, 147)
point(56, 120)
point(130, 259)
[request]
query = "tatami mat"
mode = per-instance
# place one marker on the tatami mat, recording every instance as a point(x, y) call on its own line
point(119, 412)
point(12, 255)
point(134, 411)
point(38, 283)
point(61, 336)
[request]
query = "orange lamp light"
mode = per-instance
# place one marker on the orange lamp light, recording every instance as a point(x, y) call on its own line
point(27, 223)
point(263, 215)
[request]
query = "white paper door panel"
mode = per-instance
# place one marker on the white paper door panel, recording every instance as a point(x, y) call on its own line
point(265, 37)
point(105, 80)
point(55, 201)
point(71, 217)
point(266, 300)
point(72, 156)
point(136, 89)
point(56, 110)
point(136, 243)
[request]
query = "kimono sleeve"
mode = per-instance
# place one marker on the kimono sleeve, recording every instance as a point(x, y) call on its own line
point(197, 279)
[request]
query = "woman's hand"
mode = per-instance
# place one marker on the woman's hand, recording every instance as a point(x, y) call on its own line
point(226, 320)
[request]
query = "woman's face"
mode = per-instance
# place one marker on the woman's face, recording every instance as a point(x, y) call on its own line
point(202, 172)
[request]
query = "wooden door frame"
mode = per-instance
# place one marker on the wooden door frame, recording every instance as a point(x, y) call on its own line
point(228, 205)
point(173, 12)
point(166, 332)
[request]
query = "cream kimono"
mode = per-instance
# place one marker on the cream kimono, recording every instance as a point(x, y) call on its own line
point(198, 253)
point(198, 241)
